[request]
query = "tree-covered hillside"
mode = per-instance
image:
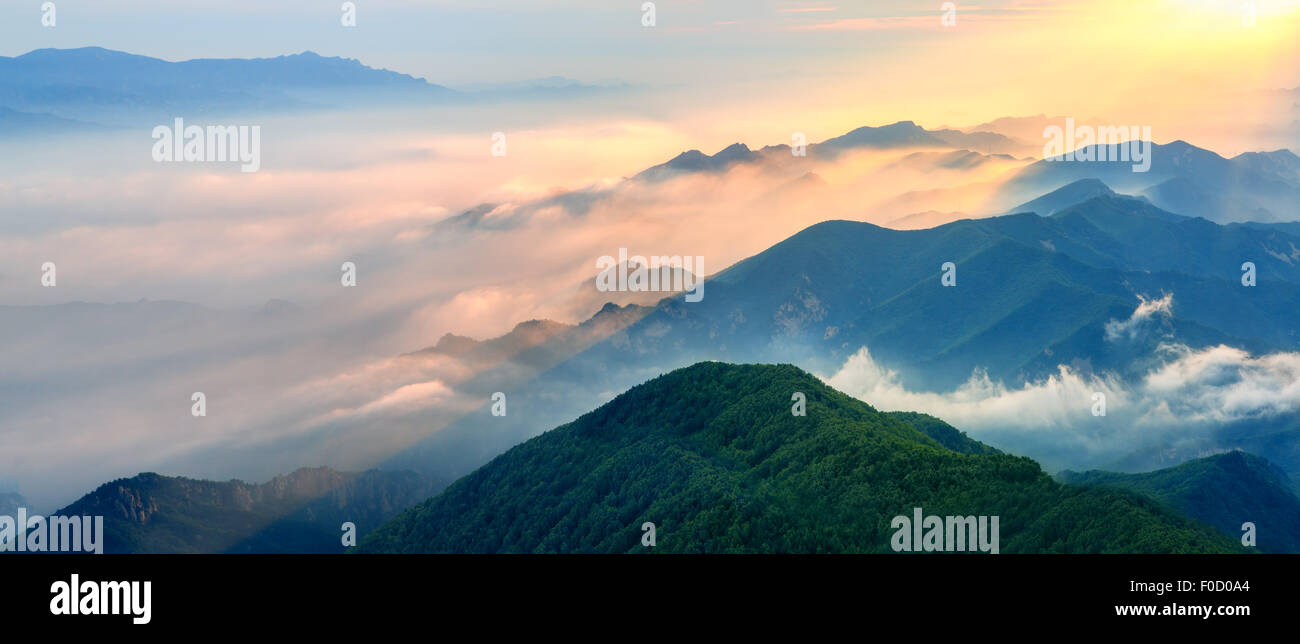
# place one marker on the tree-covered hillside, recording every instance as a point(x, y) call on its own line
point(714, 457)
point(1224, 491)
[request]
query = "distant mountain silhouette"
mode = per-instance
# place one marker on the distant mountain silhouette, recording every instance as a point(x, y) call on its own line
point(97, 85)
point(908, 134)
point(696, 161)
point(299, 512)
point(1064, 197)
point(903, 134)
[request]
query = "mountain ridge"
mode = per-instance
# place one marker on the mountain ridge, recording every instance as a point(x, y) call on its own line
point(298, 512)
point(1224, 491)
point(1035, 293)
point(713, 456)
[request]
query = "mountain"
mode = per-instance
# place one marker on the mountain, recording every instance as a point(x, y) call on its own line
point(1224, 491)
point(298, 512)
point(714, 457)
point(903, 134)
point(696, 161)
point(1283, 164)
point(1064, 197)
point(525, 335)
point(104, 68)
point(504, 363)
point(1182, 178)
point(1022, 128)
point(1033, 293)
point(960, 159)
point(96, 85)
point(908, 134)
point(1033, 283)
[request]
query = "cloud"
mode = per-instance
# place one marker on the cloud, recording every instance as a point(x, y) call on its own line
point(1137, 322)
point(1224, 384)
point(1180, 403)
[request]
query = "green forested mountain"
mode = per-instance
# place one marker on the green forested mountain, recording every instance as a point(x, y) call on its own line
point(1224, 491)
point(713, 456)
point(298, 512)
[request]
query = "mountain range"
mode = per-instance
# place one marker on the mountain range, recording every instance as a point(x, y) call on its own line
point(1033, 293)
point(716, 458)
point(1259, 187)
point(67, 89)
point(58, 91)
point(899, 135)
point(1081, 249)
point(1192, 181)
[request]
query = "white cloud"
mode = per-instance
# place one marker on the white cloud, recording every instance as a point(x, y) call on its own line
point(1178, 403)
point(1137, 323)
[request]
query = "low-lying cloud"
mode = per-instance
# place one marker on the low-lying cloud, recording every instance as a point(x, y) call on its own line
point(1178, 405)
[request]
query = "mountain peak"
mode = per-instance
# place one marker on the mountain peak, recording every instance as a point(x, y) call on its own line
point(903, 125)
point(733, 151)
point(714, 451)
point(1070, 194)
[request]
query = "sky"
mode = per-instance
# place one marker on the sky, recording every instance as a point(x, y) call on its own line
point(771, 65)
point(89, 394)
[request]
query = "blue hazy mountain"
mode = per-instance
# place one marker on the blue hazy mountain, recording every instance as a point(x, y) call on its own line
point(1224, 491)
point(97, 85)
point(1033, 293)
point(908, 134)
point(1182, 178)
point(713, 457)
point(1031, 283)
point(1064, 197)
